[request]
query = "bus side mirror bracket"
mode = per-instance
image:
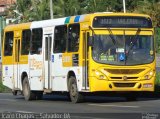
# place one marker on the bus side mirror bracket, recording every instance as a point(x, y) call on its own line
point(90, 41)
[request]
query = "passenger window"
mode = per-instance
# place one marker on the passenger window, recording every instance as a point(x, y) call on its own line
point(26, 35)
point(8, 45)
point(73, 37)
point(36, 42)
point(60, 38)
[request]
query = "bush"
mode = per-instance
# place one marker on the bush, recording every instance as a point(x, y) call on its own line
point(3, 88)
point(157, 82)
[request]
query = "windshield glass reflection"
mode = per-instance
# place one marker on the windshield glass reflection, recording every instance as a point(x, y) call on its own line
point(124, 51)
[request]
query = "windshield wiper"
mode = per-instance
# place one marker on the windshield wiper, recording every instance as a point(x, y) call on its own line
point(112, 36)
point(134, 39)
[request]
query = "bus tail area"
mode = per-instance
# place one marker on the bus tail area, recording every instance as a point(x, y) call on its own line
point(80, 55)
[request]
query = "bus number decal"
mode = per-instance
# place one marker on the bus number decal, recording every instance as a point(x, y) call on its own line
point(36, 64)
point(67, 61)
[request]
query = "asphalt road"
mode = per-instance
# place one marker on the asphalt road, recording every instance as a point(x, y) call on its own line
point(93, 107)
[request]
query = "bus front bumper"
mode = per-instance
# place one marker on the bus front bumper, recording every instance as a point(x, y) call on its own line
point(105, 85)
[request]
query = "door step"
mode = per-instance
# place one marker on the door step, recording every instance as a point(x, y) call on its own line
point(47, 90)
point(15, 89)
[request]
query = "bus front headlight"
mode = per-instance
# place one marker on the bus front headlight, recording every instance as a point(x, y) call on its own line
point(100, 75)
point(149, 75)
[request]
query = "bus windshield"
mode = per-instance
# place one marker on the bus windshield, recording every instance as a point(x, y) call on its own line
point(126, 50)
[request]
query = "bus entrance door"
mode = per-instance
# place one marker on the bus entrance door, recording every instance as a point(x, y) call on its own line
point(85, 60)
point(47, 61)
point(16, 65)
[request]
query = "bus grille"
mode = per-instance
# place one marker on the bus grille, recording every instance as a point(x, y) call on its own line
point(121, 78)
point(124, 71)
point(124, 84)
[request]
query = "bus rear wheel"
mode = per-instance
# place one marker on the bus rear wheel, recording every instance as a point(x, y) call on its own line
point(75, 96)
point(28, 94)
point(14, 92)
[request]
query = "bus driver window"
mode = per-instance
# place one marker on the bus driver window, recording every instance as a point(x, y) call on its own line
point(73, 37)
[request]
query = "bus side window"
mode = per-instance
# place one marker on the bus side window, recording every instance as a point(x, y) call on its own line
point(60, 38)
point(8, 45)
point(36, 41)
point(73, 37)
point(26, 34)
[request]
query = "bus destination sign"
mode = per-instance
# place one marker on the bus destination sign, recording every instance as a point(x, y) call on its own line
point(122, 22)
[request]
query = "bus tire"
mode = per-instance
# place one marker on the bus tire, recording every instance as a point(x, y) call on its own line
point(14, 92)
point(75, 96)
point(28, 94)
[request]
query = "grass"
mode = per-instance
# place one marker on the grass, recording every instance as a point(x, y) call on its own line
point(3, 88)
point(157, 82)
point(157, 79)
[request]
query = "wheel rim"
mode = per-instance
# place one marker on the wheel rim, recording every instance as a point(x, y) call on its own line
point(73, 90)
point(26, 88)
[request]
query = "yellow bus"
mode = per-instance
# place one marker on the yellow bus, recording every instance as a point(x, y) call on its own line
point(99, 52)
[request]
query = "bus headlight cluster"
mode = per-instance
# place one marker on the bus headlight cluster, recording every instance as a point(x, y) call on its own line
point(100, 75)
point(149, 75)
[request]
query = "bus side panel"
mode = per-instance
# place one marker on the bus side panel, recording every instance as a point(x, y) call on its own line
point(7, 76)
point(7, 62)
point(59, 73)
point(36, 78)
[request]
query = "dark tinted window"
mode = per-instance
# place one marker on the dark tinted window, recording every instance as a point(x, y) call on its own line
point(8, 45)
point(60, 38)
point(26, 35)
point(73, 37)
point(36, 42)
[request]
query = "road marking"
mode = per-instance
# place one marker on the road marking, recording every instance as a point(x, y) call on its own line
point(11, 100)
point(24, 112)
point(87, 117)
point(114, 106)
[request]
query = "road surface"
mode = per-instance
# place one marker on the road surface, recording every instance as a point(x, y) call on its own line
point(93, 108)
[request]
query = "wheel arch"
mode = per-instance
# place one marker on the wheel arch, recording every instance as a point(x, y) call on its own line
point(24, 74)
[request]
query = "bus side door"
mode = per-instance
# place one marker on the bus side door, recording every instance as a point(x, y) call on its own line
point(47, 60)
point(85, 60)
point(17, 59)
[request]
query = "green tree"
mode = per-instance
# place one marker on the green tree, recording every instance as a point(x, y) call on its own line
point(150, 7)
point(19, 11)
point(29, 10)
point(64, 8)
point(39, 10)
point(92, 6)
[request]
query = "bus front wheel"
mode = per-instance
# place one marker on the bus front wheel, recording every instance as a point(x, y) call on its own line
point(75, 96)
point(28, 94)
